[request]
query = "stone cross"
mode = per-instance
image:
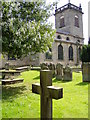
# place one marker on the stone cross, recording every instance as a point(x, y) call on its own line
point(47, 93)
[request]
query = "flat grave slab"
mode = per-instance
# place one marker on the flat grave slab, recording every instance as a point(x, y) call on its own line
point(21, 69)
point(8, 73)
point(13, 81)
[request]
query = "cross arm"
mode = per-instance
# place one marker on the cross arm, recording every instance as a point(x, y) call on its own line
point(36, 88)
point(55, 92)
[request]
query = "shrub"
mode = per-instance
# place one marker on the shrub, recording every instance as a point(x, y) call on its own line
point(85, 53)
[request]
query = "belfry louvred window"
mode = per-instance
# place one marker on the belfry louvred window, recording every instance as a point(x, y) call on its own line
point(76, 21)
point(62, 24)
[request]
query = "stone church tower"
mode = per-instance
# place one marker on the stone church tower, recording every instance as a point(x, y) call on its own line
point(69, 39)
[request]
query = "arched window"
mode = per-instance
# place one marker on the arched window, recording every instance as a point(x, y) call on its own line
point(58, 37)
point(79, 51)
point(67, 38)
point(62, 24)
point(70, 53)
point(60, 52)
point(76, 21)
point(49, 54)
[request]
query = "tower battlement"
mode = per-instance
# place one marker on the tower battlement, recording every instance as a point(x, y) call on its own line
point(68, 6)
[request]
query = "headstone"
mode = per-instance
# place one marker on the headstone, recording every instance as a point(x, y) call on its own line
point(86, 72)
point(59, 71)
point(7, 66)
point(51, 67)
point(47, 92)
point(67, 73)
point(44, 66)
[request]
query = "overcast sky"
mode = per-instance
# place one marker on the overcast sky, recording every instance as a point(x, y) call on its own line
point(84, 4)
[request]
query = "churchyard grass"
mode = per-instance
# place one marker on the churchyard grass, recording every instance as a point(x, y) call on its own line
point(18, 101)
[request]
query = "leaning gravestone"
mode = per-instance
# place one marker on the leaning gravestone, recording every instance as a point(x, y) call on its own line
point(44, 66)
point(67, 73)
point(51, 67)
point(47, 93)
point(59, 71)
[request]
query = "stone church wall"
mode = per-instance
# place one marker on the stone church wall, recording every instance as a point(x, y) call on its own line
point(65, 60)
point(18, 62)
point(65, 54)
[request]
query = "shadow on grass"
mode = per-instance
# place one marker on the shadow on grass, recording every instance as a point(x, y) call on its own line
point(38, 77)
point(61, 81)
point(9, 92)
point(83, 83)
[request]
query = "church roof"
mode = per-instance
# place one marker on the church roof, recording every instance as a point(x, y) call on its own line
point(69, 6)
point(67, 33)
point(62, 32)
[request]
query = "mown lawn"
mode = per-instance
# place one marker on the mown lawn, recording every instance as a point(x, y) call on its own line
point(18, 101)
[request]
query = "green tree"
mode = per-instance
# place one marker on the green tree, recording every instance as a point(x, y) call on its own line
point(25, 28)
point(85, 53)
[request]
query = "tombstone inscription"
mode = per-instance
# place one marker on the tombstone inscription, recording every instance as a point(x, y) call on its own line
point(47, 93)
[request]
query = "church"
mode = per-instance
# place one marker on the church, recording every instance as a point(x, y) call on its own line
point(68, 41)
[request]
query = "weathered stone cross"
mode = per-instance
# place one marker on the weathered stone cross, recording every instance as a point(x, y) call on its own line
point(47, 92)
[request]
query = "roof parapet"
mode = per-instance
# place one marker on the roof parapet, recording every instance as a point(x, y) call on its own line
point(69, 6)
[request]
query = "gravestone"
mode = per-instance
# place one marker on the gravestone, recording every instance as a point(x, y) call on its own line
point(44, 66)
point(59, 71)
point(86, 72)
point(67, 73)
point(7, 66)
point(47, 93)
point(51, 67)
point(13, 81)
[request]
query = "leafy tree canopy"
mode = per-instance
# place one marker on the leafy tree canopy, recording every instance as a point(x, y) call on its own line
point(25, 28)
